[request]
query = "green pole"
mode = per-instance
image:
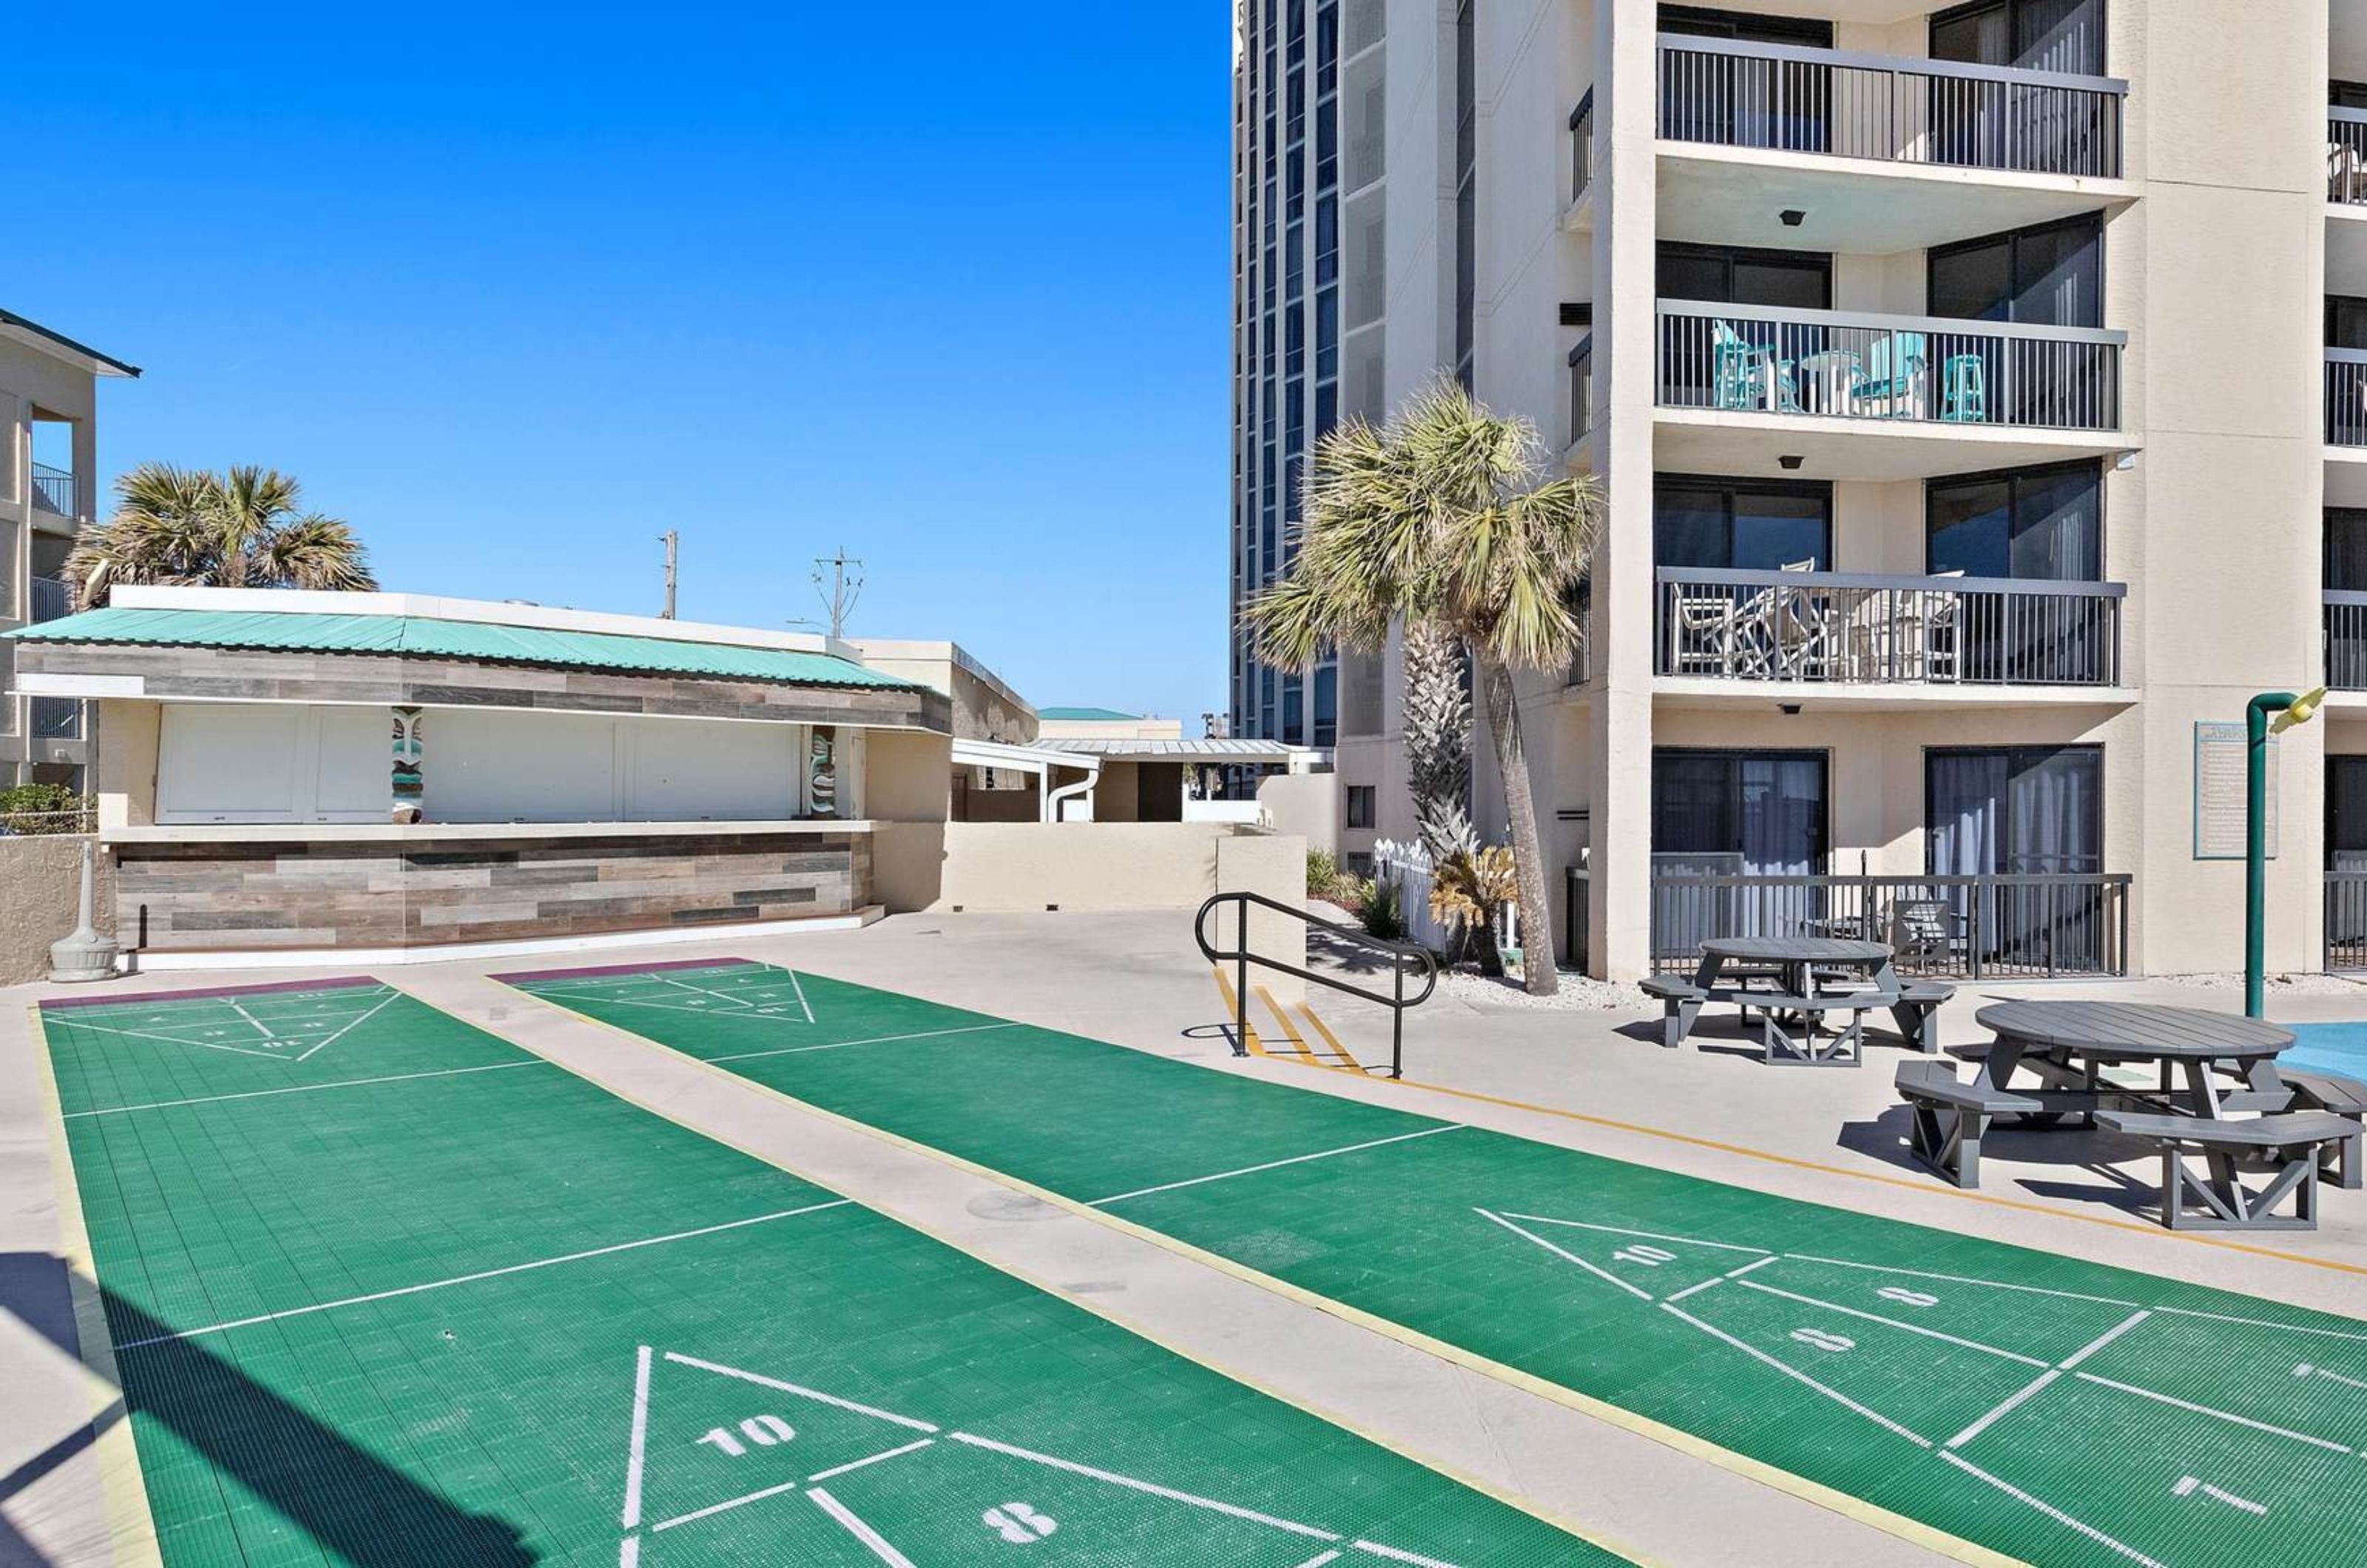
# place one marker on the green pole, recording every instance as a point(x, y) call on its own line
point(2256, 843)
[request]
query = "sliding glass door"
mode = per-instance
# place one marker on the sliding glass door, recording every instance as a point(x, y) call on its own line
point(2020, 811)
point(1736, 814)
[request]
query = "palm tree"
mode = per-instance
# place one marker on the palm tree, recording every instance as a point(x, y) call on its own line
point(1438, 739)
point(1440, 518)
point(192, 527)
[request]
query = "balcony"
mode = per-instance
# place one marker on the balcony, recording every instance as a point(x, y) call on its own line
point(2345, 640)
point(53, 490)
point(1824, 102)
point(50, 600)
point(1875, 153)
point(2345, 396)
point(56, 718)
point(1846, 629)
point(2346, 157)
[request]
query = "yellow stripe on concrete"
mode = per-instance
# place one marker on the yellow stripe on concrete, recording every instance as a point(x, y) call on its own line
point(1297, 1041)
point(1872, 1514)
point(1476, 1484)
point(123, 1494)
point(1233, 1008)
point(1330, 1039)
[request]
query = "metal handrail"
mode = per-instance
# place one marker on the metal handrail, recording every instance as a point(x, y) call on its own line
point(1241, 958)
point(1754, 579)
point(1882, 321)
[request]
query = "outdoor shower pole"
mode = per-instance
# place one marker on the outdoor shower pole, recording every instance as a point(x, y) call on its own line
point(2290, 711)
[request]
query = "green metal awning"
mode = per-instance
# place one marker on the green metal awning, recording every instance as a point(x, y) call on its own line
point(420, 637)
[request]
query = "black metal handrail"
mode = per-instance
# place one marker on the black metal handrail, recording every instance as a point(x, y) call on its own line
point(1241, 958)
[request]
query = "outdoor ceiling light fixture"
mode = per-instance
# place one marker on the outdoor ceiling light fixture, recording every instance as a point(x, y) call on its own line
point(1791, 460)
point(1791, 710)
point(1793, 217)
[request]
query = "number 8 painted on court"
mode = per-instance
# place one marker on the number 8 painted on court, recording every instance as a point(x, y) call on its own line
point(764, 1431)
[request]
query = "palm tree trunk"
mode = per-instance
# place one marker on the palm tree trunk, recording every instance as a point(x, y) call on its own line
point(1537, 970)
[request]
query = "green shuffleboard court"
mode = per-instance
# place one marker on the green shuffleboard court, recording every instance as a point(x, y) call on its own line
point(382, 1289)
point(2042, 1407)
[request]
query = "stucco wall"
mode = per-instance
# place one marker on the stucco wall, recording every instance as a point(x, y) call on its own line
point(1308, 805)
point(40, 880)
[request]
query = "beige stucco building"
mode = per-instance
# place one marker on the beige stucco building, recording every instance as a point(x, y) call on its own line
point(1979, 398)
point(48, 491)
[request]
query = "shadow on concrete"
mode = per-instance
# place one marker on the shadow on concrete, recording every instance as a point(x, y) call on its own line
point(351, 1504)
point(2094, 1152)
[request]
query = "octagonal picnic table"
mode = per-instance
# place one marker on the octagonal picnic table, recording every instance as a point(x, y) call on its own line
point(2066, 1041)
point(1796, 962)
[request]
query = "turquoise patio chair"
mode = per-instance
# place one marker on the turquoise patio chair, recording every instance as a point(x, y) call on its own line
point(1740, 370)
point(1964, 384)
point(1894, 363)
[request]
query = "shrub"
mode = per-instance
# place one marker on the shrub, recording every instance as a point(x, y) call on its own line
point(32, 808)
point(1322, 875)
point(1380, 912)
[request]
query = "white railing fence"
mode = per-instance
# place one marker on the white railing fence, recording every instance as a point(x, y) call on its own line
point(1407, 867)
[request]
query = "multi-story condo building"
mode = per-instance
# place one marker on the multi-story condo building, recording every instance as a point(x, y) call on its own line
point(1978, 397)
point(48, 491)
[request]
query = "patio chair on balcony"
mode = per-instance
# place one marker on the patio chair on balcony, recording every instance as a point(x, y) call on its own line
point(1810, 625)
point(1964, 390)
point(1894, 364)
point(1746, 375)
point(2346, 173)
point(1926, 930)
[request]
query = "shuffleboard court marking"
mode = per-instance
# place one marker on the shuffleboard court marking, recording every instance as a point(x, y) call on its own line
point(280, 1037)
point(1891, 1323)
point(2189, 1405)
point(2306, 1370)
point(845, 1044)
point(481, 1274)
point(858, 1530)
point(300, 1088)
point(1279, 1164)
point(1017, 1521)
point(2050, 1511)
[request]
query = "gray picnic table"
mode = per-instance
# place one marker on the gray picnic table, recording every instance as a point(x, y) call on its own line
point(1796, 966)
point(2298, 1133)
point(2065, 1042)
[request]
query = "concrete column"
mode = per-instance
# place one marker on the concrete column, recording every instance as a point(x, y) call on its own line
point(1620, 759)
point(2220, 266)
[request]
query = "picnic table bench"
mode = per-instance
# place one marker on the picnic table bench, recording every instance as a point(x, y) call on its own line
point(1948, 1115)
point(2346, 1097)
point(2288, 1147)
point(1776, 980)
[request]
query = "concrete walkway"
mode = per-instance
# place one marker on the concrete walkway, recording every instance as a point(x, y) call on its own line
point(1573, 1078)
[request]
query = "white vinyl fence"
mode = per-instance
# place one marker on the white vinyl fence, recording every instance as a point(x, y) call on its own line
point(1407, 867)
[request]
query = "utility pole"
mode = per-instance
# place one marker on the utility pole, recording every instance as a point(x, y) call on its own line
point(843, 588)
point(669, 539)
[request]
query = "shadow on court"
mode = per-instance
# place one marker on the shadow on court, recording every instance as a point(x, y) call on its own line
point(355, 1507)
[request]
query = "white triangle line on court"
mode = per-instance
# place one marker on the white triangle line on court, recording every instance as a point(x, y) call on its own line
point(915, 1445)
point(714, 1509)
point(302, 1088)
point(1169, 1493)
point(482, 1274)
point(1320, 1557)
point(2261, 1323)
point(1565, 1256)
point(703, 991)
point(638, 1448)
point(349, 1028)
point(799, 986)
point(1877, 1416)
point(1961, 1280)
point(858, 1530)
point(2220, 1415)
point(1648, 1235)
point(1394, 1555)
point(1894, 1323)
point(875, 1040)
point(172, 1040)
point(799, 1390)
point(260, 1027)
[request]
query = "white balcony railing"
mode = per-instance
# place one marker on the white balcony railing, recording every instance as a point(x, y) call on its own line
point(2345, 396)
point(1856, 629)
point(1748, 358)
point(1789, 99)
point(2346, 156)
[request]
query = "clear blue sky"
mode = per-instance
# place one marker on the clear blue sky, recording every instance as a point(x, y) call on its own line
point(947, 282)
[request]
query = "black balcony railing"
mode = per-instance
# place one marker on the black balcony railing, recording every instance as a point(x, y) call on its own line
point(1581, 388)
point(1926, 369)
point(1974, 928)
point(1788, 99)
point(2346, 156)
point(1848, 629)
point(53, 490)
point(1581, 146)
point(2345, 640)
point(56, 718)
point(2345, 396)
point(2346, 920)
point(48, 600)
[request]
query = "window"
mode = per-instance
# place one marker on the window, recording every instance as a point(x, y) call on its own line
point(2346, 813)
point(2346, 549)
point(1700, 21)
point(2346, 321)
point(1736, 813)
point(2051, 275)
point(1326, 706)
point(2044, 524)
point(2347, 94)
point(1466, 192)
point(2020, 810)
point(1294, 711)
point(1737, 275)
point(2040, 35)
point(1748, 525)
point(1361, 808)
